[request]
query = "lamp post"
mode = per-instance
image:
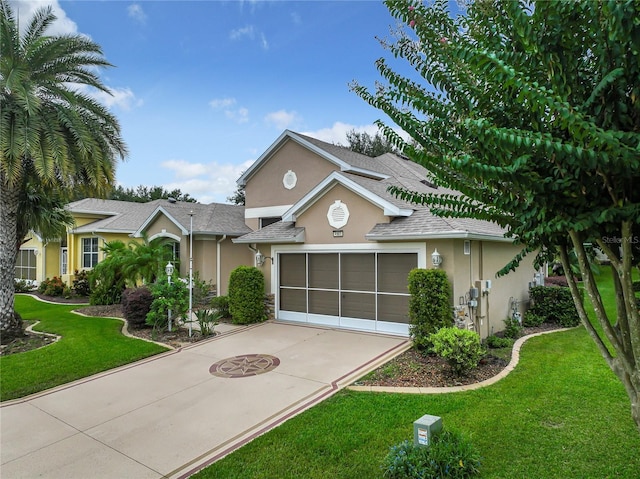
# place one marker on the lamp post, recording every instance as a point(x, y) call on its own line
point(169, 270)
point(190, 269)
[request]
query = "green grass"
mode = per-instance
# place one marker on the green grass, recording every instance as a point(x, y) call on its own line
point(88, 346)
point(561, 413)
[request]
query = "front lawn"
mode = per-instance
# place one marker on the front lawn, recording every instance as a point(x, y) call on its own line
point(560, 414)
point(89, 345)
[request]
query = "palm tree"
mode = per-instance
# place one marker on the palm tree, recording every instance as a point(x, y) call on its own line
point(51, 134)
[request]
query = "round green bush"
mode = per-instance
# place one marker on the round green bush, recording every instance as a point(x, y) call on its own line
point(450, 455)
point(460, 347)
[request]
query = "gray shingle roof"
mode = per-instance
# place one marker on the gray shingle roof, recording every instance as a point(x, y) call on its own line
point(128, 217)
point(279, 232)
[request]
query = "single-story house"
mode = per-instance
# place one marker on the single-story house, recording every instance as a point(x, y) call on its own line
point(334, 245)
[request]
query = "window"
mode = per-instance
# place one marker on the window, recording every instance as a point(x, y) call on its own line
point(174, 253)
point(64, 260)
point(268, 221)
point(26, 264)
point(89, 252)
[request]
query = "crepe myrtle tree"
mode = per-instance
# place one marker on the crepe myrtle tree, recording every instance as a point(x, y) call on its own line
point(51, 133)
point(531, 110)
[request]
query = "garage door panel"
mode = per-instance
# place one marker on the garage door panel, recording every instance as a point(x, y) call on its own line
point(358, 305)
point(324, 302)
point(293, 270)
point(393, 271)
point(393, 308)
point(324, 271)
point(358, 271)
point(293, 300)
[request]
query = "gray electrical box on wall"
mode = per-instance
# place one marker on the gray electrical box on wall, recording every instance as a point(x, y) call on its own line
point(424, 429)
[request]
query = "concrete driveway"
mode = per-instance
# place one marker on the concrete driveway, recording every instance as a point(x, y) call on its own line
point(173, 414)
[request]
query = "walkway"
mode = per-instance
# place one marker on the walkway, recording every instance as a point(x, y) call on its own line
point(171, 415)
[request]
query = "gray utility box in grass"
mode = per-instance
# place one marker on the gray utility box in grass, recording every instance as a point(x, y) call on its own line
point(424, 429)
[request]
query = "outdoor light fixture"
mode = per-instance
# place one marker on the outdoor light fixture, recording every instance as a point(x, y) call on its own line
point(169, 270)
point(436, 258)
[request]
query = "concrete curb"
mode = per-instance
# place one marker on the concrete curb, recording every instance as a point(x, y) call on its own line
point(515, 358)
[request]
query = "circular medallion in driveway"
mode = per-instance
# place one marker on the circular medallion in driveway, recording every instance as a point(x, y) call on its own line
point(244, 366)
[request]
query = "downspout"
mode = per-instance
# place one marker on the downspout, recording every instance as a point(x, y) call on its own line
point(218, 266)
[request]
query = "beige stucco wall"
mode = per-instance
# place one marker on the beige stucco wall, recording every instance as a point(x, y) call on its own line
point(363, 215)
point(231, 256)
point(485, 260)
point(162, 225)
point(265, 188)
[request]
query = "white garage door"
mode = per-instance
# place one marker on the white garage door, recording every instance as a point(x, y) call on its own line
point(365, 290)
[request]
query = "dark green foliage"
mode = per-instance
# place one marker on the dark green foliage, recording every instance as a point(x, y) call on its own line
point(52, 287)
point(460, 347)
point(429, 305)
point(555, 305)
point(221, 304)
point(496, 342)
point(450, 455)
point(167, 297)
point(366, 144)
point(246, 295)
point(512, 329)
point(136, 304)
point(144, 194)
point(531, 319)
point(531, 112)
point(207, 320)
point(81, 285)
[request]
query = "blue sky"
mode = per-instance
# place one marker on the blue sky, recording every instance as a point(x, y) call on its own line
point(202, 88)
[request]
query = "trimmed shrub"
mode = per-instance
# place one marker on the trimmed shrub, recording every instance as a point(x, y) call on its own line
point(450, 455)
point(531, 320)
point(80, 285)
point(221, 304)
point(246, 295)
point(52, 287)
point(136, 304)
point(512, 329)
point(496, 342)
point(429, 305)
point(460, 347)
point(555, 305)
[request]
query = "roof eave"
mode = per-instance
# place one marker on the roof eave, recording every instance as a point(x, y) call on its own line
point(443, 235)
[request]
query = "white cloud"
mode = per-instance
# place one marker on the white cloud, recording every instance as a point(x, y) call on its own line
point(217, 103)
point(283, 119)
point(136, 12)
point(337, 133)
point(249, 32)
point(239, 33)
point(123, 98)
point(24, 10)
point(209, 183)
point(184, 169)
point(239, 115)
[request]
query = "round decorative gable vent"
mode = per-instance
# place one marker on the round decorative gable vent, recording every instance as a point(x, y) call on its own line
point(338, 214)
point(289, 180)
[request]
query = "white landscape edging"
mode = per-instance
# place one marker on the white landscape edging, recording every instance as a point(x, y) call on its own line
point(515, 358)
